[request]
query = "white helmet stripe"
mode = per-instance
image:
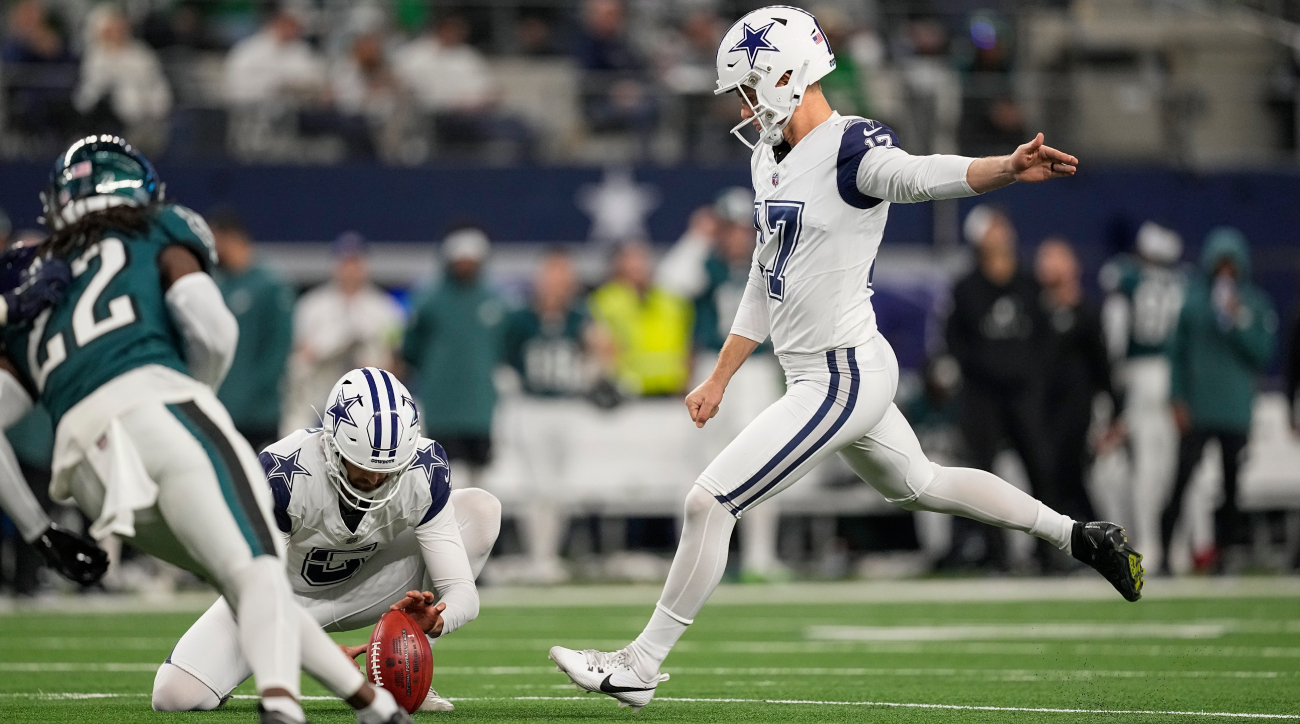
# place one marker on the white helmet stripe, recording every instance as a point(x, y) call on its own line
point(392, 408)
point(377, 439)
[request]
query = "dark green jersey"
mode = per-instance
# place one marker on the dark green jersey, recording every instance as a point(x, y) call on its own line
point(716, 306)
point(547, 354)
point(1155, 296)
point(113, 318)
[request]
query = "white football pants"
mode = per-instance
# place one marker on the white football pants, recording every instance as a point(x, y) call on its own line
point(837, 402)
point(1153, 447)
point(209, 653)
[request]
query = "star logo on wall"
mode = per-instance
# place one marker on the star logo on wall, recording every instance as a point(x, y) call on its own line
point(618, 206)
point(284, 467)
point(754, 41)
point(340, 411)
point(428, 461)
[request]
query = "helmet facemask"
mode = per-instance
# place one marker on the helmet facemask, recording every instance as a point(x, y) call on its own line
point(772, 103)
point(337, 474)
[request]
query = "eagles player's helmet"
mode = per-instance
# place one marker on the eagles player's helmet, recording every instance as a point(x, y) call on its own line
point(371, 422)
point(758, 51)
point(97, 173)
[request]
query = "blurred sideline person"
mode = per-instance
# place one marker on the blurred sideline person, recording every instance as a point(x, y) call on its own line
point(275, 65)
point(143, 446)
point(546, 343)
point(710, 265)
point(452, 343)
point(1144, 293)
point(122, 80)
point(824, 183)
point(263, 305)
point(998, 333)
point(346, 323)
point(649, 326)
point(1078, 369)
point(1226, 335)
point(363, 537)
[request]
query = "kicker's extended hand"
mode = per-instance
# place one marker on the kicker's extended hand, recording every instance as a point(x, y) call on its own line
point(1034, 161)
point(74, 556)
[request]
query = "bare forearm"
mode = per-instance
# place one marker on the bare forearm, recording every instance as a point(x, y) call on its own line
point(734, 353)
point(989, 173)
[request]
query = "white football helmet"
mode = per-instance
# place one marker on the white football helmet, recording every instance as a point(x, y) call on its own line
point(371, 422)
point(1157, 244)
point(758, 51)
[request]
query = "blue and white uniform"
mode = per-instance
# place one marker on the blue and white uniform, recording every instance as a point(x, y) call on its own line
point(347, 568)
point(820, 213)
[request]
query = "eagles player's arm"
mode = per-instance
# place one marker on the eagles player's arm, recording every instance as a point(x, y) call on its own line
point(891, 174)
point(453, 579)
point(751, 326)
point(74, 556)
point(208, 328)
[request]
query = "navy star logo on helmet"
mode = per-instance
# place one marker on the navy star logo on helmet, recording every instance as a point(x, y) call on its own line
point(340, 411)
point(415, 411)
point(754, 41)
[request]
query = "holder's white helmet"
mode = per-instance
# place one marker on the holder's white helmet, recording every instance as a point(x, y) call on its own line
point(371, 422)
point(759, 50)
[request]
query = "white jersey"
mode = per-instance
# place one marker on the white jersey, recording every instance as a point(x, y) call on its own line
point(820, 214)
point(324, 550)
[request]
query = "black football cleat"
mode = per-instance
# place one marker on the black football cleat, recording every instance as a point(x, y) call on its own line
point(1105, 547)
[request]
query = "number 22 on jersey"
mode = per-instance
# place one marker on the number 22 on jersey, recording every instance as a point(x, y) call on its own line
point(85, 328)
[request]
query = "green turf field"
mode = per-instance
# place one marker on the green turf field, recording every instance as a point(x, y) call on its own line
point(760, 657)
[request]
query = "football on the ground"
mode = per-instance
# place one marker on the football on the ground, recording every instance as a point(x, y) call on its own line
point(400, 660)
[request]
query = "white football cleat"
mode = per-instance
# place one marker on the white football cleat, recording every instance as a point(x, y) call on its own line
point(606, 673)
point(434, 702)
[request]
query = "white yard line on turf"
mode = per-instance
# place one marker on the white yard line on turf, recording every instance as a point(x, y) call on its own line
point(1027, 631)
point(785, 702)
point(982, 674)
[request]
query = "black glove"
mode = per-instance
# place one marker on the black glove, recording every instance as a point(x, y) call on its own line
point(74, 556)
point(40, 285)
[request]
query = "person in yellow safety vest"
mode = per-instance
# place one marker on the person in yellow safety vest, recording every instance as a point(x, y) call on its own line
point(649, 327)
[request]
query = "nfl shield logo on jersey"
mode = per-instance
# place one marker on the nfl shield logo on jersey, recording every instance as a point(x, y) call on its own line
point(776, 178)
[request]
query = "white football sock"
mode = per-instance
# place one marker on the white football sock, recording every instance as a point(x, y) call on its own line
point(268, 627)
point(697, 568)
point(380, 710)
point(322, 659)
point(285, 705)
point(985, 497)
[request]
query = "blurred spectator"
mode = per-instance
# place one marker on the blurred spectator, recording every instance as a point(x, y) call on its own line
point(275, 65)
point(6, 230)
point(368, 91)
point(263, 305)
point(991, 120)
point(1144, 293)
point(535, 35)
point(1077, 370)
point(650, 327)
point(710, 266)
point(845, 87)
point(997, 332)
point(1224, 339)
point(452, 344)
point(122, 80)
point(687, 68)
point(452, 82)
point(1292, 371)
point(545, 344)
point(344, 324)
point(931, 88)
point(39, 73)
point(615, 93)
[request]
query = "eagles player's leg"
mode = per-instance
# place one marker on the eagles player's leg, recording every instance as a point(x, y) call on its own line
point(207, 501)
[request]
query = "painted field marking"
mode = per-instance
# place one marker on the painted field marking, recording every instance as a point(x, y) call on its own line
point(1029, 631)
point(783, 702)
point(48, 666)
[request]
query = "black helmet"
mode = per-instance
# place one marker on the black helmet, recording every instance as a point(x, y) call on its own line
point(97, 173)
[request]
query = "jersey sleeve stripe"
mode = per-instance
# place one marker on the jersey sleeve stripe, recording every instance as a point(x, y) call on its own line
point(859, 138)
point(439, 481)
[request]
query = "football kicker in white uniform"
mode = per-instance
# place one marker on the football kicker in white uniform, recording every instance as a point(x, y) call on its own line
point(370, 521)
point(823, 185)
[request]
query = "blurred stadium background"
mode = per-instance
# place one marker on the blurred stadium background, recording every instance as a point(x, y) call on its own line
point(397, 182)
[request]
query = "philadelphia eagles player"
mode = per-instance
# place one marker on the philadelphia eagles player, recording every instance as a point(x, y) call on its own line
point(126, 360)
point(366, 508)
point(823, 184)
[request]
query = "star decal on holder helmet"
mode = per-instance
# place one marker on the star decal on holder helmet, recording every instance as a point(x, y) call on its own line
point(340, 411)
point(284, 467)
point(428, 461)
point(415, 411)
point(754, 41)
